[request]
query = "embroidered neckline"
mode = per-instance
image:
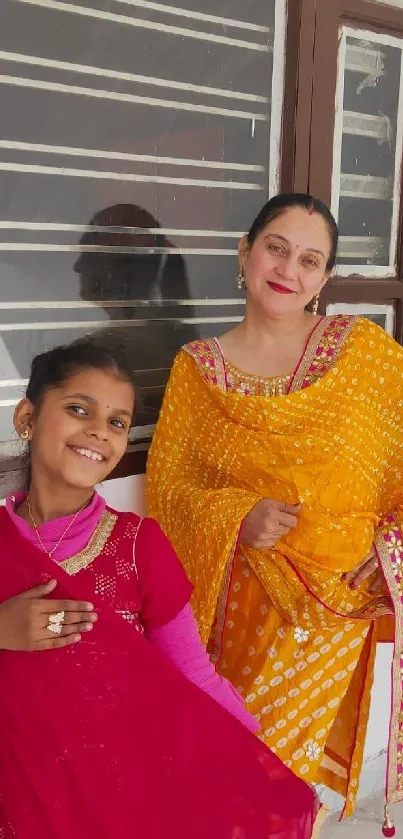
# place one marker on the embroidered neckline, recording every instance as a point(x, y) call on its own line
point(98, 540)
point(253, 385)
point(321, 352)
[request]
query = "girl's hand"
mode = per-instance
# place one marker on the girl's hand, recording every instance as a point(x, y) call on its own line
point(267, 522)
point(368, 568)
point(24, 620)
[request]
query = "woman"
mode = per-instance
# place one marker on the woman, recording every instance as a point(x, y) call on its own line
point(102, 733)
point(276, 472)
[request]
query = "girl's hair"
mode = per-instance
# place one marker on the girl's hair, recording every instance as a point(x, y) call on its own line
point(279, 205)
point(51, 369)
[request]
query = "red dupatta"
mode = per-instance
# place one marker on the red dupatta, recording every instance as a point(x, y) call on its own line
point(106, 739)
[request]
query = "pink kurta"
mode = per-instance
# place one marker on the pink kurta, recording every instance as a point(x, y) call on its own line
point(178, 638)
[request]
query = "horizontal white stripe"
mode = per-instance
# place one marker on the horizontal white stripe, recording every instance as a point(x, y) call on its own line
point(13, 382)
point(101, 228)
point(15, 145)
point(366, 247)
point(172, 10)
point(90, 70)
point(110, 324)
point(10, 305)
point(141, 431)
point(98, 14)
point(137, 447)
point(366, 186)
point(364, 194)
point(361, 239)
point(65, 172)
point(8, 403)
point(35, 247)
point(95, 93)
point(367, 125)
point(364, 59)
point(24, 382)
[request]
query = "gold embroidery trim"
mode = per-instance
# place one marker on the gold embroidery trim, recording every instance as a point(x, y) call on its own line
point(219, 363)
point(309, 354)
point(268, 385)
point(393, 794)
point(96, 544)
point(212, 375)
point(327, 324)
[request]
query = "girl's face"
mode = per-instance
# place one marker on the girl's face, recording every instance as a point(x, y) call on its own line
point(286, 265)
point(80, 432)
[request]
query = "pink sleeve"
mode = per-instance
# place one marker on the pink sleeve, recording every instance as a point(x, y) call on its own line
point(179, 640)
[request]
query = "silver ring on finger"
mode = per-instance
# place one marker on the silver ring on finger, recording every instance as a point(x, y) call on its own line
point(55, 622)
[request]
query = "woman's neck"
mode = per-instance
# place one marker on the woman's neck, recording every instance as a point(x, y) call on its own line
point(260, 332)
point(268, 347)
point(48, 502)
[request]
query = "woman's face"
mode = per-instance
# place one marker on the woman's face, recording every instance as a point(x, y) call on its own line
point(286, 265)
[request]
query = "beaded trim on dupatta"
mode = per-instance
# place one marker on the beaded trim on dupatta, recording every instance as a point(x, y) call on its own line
point(95, 546)
point(321, 352)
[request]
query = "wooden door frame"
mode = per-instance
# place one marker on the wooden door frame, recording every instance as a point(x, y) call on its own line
point(298, 80)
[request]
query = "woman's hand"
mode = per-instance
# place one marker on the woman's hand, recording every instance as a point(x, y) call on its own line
point(24, 620)
point(267, 522)
point(368, 568)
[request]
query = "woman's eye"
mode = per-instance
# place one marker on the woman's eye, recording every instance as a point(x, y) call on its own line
point(311, 263)
point(275, 248)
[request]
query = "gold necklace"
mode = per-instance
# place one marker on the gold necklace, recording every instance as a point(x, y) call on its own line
point(50, 553)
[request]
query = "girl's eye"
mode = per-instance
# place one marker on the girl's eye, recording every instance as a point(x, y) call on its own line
point(275, 248)
point(77, 409)
point(118, 423)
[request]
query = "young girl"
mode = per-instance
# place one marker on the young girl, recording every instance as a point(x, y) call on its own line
point(102, 733)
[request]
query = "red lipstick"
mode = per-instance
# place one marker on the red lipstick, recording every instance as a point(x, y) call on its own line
point(280, 289)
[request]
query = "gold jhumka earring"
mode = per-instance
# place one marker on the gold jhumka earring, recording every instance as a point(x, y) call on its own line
point(315, 304)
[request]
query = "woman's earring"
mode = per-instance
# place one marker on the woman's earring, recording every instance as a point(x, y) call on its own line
point(24, 434)
point(315, 304)
point(241, 281)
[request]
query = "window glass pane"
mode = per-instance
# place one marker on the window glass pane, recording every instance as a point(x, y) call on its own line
point(135, 152)
point(368, 138)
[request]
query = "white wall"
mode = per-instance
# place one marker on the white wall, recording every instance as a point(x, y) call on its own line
point(125, 494)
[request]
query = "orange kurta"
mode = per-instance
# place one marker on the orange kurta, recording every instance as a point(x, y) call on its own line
point(281, 623)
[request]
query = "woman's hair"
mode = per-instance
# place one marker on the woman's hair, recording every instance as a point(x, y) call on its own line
point(51, 369)
point(279, 205)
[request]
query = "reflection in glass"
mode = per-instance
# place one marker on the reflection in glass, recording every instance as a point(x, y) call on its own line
point(130, 269)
